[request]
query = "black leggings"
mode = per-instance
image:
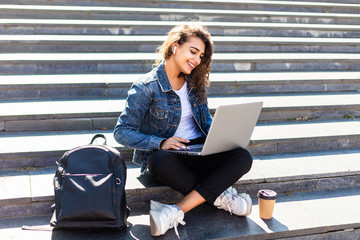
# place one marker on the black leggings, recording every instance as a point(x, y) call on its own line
point(208, 175)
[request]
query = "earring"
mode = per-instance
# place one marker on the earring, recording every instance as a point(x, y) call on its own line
point(174, 50)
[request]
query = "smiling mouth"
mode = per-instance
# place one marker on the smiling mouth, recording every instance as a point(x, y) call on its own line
point(191, 65)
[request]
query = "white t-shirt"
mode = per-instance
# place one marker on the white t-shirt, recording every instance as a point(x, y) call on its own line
point(187, 128)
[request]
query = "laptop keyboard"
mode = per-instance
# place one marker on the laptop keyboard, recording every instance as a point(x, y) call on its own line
point(196, 146)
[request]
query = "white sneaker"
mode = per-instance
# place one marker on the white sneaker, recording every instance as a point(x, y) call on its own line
point(229, 190)
point(163, 217)
point(238, 204)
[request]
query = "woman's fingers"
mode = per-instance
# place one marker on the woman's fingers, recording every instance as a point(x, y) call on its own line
point(178, 142)
point(179, 139)
point(175, 143)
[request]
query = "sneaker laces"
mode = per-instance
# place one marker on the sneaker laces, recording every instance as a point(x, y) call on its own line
point(219, 200)
point(228, 201)
point(174, 220)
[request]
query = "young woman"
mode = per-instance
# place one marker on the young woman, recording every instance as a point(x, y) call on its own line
point(167, 109)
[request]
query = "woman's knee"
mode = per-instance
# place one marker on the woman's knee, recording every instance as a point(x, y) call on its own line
point(243, 159)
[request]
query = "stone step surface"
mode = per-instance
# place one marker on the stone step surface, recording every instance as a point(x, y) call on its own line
point(91, 57)
point(58, 86)
point(41, 148)
point(284, 173)
point(97, 114)
point(297, 216)
point(329, 1)
point(128, 27)
point(127, 43)
point(174, 14)
point(307, 6)
point(50, 63)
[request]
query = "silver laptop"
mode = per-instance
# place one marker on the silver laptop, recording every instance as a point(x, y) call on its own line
point(232, 127)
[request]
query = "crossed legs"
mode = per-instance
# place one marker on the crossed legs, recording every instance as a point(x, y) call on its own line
point(199, 178)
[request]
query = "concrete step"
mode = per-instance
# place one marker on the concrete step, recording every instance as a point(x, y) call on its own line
point(317, 6)
point(117, 85)
point(50, 63)
point(284, 173)
point(59, 86)
point(97, 114)
point(329, 1)
point(302, 215)
point(312, 221)
point(41, 148)
point(128, 43)
point(172, 14)
point(127, 27)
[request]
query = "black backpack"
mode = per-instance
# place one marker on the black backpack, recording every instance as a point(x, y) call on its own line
point(89, 186)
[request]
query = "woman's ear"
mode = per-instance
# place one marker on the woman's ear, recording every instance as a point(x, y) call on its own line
point(174, 47)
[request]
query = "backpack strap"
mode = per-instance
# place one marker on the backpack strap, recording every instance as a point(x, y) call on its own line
point(98, 136)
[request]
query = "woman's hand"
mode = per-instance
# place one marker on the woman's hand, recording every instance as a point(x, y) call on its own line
point(174, 143)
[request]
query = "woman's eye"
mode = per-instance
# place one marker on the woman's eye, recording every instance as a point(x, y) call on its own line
point(193, 53)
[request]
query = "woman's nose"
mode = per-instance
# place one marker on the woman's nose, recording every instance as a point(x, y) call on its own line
point(198, 59)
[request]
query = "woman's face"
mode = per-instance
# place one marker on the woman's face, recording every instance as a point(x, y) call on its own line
point(189, 54)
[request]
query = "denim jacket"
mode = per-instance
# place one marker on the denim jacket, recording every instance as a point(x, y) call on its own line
point(152, 113)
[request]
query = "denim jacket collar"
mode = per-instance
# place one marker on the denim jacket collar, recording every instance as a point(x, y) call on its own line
point(164, 80)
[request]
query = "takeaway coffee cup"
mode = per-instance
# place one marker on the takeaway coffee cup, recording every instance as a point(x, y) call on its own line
point(267, 200)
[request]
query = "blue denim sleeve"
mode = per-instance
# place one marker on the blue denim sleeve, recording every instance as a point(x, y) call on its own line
point(126, 130)
point(208, 120)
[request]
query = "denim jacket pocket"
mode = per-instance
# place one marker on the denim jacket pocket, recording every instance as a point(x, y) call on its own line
point(158, 117)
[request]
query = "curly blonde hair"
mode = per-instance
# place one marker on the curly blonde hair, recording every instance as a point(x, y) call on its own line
point(199, 76)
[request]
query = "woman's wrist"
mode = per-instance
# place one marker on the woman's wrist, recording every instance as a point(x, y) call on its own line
point(162, 143)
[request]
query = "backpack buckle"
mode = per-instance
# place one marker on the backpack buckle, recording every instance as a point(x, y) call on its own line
point(118, 181)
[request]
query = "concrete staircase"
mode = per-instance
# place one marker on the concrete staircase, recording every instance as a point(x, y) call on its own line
point(66, 68)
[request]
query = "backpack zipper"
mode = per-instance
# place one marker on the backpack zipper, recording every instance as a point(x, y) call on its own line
point(117, 180)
